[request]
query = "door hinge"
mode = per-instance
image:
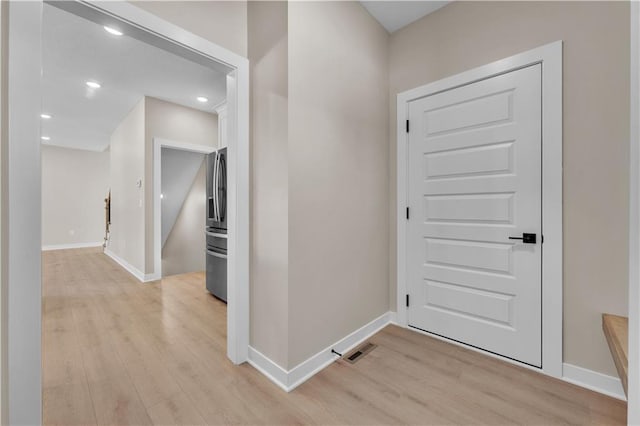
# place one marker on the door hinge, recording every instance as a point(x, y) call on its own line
point(407, 213)
point(541, 239)
point(407, 126)
point(407, 300)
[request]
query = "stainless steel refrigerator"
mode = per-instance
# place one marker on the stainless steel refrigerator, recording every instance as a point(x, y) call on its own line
point(216, 230)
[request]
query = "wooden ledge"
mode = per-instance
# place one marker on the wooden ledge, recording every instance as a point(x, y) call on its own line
point(616, 330)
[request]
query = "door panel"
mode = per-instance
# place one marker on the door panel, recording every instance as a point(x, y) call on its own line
point(474, 181)
point(476, 208)
point(491, 159)
point(467, 301)
point(468, 113)
point(483, 256)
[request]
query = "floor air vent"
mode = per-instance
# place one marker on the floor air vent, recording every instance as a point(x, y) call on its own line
point(359, 353)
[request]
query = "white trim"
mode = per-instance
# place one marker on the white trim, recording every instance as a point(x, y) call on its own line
point(158, 144)
point(22, 224)
point(288, 380)
point(306, 369)
point(126, 265)
point(71, 246)
point(221, 107)
point(238, 207)
point(291, 379)
point(393, 318)
point(273, 371)
point(633, 373)
point(598, 382)
point(550, 56)
point(4, 33)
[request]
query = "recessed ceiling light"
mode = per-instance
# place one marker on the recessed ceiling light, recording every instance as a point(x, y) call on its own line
point(93, 84)
point(113, 31)
point(202, 99)
point(45, 116)
point(45, 138)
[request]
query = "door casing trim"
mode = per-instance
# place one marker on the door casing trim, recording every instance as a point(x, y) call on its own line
point(550, 58)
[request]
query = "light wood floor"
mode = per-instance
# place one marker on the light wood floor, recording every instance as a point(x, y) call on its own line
point(119, 352)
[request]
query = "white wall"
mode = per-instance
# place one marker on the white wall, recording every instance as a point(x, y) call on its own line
point(127, 163)
point(74, 185)
point(184, 250)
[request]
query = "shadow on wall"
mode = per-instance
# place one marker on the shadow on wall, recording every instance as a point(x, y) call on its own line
point(183, 211)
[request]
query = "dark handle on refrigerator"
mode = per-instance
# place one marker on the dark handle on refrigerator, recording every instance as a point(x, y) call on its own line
point(526, 238)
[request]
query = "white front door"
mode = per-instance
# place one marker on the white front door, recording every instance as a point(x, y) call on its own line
point(475, 181)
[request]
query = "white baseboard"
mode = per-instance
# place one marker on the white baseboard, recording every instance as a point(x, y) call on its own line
point(71, 246)
point(130, 268)
point(273, 371)
point(306, 369)
point(598, 382)
point(393, 318)
point(291, 379)
point(151, 277)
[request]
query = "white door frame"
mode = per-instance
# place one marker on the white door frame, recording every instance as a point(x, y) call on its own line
point(22, 197)
point(158, 144)
point(550, 58)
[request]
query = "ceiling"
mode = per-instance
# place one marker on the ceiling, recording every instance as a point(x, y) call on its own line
point(394, 15)
point(76, 50)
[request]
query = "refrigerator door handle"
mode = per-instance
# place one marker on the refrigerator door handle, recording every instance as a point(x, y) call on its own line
point(216, 254)
point(216, 214)
point(222, 171)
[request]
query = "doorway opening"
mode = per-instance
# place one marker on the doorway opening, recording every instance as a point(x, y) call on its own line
point(117, 22)
point(180, 206)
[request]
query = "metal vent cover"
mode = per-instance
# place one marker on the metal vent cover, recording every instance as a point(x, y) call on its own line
point(360, 352)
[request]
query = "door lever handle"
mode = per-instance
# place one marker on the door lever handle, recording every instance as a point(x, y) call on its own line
point(526, 238)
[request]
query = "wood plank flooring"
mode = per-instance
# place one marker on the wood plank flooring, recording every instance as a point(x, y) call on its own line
point(118, 352)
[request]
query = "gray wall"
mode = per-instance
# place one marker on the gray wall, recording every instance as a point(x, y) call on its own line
point(223, 22)
point(319, 250)
point(338, 173)
point(184, 249)
point(177, 172)
point(267, 23)
point(596, 135)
